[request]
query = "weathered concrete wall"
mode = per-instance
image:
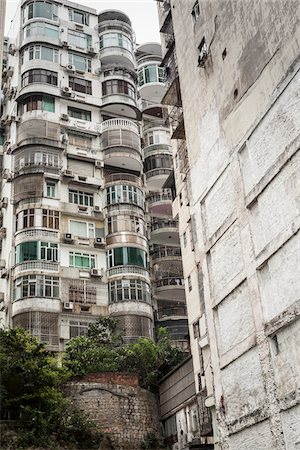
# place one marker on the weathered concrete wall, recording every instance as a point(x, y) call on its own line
point(242, 123)
point(118, 406)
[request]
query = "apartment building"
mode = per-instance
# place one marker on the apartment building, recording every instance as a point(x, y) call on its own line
point(233, 95)
point(85, 153)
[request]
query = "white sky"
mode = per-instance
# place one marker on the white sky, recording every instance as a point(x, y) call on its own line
point(142, 13)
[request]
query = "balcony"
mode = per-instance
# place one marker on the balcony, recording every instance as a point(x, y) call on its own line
point(36, 234)
point(169, 285)
point(32, 129)
point(51, 305)
point(40, 266)
point(114, 20)
point(166, 253)
point(120, 142)
point(157, 177)
point(41, 167)
point(164, 231)
point(119, 178)
point(127, 270)
point(179, 311)
point(117, 55)
point(160, 204)
point(120, 104)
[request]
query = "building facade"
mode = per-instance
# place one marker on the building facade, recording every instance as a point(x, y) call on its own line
point(84, 154)
point(233, 94)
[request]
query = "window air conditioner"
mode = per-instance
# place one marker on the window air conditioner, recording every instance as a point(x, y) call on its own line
point(97, 208)
point(68, 173)
point(67, 91)
point(99, 242)
point(71, 68)
point(99, 164)
point(91, 50)
point(68, 237)
point(68, 305)
point(64, 117)
point(96, 273)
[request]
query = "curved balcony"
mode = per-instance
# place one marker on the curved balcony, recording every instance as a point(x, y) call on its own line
point(36, 234)
point(164, 231)
point(35, 129)
point(133, 271)
point(126, 238)
point(120, 142)
point(148, 50)
point(124, 208)
point(160, 204)
point(157, 177)
point(171, 312)
point(151, 78)
point(130, 307)
point(178, 330)
point(119, 178)
point(119, 104)
point(41, 167)
point(40, 266)
point(52, 305)
point(170, 287)
point(163, 253)
point(115, 54)
point(114, 19)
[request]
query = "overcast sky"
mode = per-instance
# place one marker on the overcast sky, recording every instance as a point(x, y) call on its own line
point(142, 13)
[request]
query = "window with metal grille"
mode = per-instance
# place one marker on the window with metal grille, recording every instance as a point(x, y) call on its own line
point(80, 85)
point(82, 291)
point(50, 219)
point(43, 325)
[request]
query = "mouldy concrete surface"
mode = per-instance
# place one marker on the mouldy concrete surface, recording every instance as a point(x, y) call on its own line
point(118, 405)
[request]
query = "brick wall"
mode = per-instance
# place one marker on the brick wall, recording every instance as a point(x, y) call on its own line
point(118, 406)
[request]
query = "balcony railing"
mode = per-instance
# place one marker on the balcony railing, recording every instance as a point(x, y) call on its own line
point(156, 198)
point(160, 224)
point(36, 232)
point(169, 281)
point(119, 123)
point(37, 168)
point(123, 177)
point(171, 311)
point(156, 172)
point(127, 269)
point(165, 252)
point(36, 265)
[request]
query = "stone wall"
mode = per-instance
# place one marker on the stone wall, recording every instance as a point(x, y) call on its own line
point(119, 407)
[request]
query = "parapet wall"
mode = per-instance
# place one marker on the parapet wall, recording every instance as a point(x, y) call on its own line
point(116, 403)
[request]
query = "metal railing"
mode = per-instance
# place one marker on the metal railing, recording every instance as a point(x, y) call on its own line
point(36, 232)
point(171, 311)
point(164, 252)
point(119, 123)
point(155, 172)
point(36, 265)
point(123, 177)
point(127, 269)
point(169, 281)
point(159, 224)
point(154, 198)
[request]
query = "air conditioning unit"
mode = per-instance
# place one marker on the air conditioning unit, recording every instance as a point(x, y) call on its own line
point(96, 273)
point(68, 237)
point(6, 175)
point(68, 305)
point(99, 164)
point(71, 68)
point(91, 50)
point(68, 173)
point(97, 208)
point(4, 202)
point(3, 273)
point(99, 242)
point(65, 90)
point(12, 49)
point(64, 43)
point(64, 117)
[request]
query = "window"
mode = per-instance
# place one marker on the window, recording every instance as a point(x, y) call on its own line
point(82, 260)
point(81, 63)
point(25, 219)
point(151, 74)
point(79, 39)
point(190, 283)
point(196, 11)
point(158, 162)
point(157, 137)
point(50, 188)
point(80, 141)
point(129, 290)
point(36, 286)
point(40, 52)
point(82, 291)
point(36, 250)
point(124, 256)
point(78, 328)
point(82, 229)
point(115, 40)
point(50, 219)
point(80, 85)
point(41, 29)
point(41, 102)
point(124, 194)
point(125, 223)
point(79, 113)
point(39, 76)
point(39, 8)
point(81, 198)
point(78, 16)
point(118, 87)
